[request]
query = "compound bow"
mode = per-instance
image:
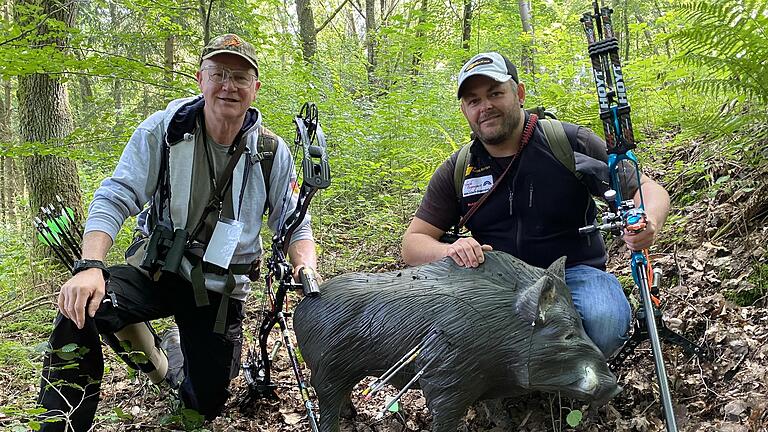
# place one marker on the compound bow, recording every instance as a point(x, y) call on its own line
point(623, 214)
point(316, 175)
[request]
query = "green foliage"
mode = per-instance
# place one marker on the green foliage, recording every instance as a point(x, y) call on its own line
point(122, 415)
point(728, 38)
point(14, 262)
point(759, 275)
point(627, 283)
point(674, 230)
point(188, 419)
point(137, 357)
point(725, 43)
point(11, 352)
point(69, 352)
point(574, 418)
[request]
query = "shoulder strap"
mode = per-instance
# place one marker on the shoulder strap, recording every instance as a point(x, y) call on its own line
point(163, 189)
point(541, 112)
point(556, 138)
point(266, 146)
point(560, 144)
point(460, 170)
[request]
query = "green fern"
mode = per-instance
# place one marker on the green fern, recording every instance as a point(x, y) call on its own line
point(726, 43)
point(730, 39)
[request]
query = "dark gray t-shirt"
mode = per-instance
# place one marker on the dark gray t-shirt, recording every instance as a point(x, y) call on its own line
point(201, 186)
point(440, 208)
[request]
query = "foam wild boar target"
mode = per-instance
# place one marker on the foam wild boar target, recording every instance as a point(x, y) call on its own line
point(503, 329)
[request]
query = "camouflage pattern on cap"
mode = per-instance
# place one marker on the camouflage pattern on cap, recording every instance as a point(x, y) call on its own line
point(231, 44)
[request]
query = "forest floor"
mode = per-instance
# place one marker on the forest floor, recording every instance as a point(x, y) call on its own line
point(713, 255)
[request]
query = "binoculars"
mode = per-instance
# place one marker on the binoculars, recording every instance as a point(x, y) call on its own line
point(164, 251)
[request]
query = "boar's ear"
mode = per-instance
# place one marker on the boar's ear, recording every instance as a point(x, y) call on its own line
point(558, 268)
point(535, 300)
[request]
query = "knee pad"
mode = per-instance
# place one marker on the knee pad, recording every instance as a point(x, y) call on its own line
point(139, 346)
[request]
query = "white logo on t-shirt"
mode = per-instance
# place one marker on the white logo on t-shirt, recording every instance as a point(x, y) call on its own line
point(478, 185)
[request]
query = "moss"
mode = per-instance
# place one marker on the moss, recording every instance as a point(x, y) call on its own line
point(758, 287)
point(627, 283)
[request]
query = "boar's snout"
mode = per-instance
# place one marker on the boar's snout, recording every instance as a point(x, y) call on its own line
point(597, 385)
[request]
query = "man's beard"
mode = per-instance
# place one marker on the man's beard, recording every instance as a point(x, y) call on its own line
point(500, 134)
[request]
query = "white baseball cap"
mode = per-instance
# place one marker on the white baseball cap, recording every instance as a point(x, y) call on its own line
point(490, 64)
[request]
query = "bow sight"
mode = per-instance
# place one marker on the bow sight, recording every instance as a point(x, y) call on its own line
point(316, 175)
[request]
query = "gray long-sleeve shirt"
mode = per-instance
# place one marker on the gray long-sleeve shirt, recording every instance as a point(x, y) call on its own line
point(134, 183)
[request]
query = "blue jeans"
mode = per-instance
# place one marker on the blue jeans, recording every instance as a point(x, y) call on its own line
point(604, 309)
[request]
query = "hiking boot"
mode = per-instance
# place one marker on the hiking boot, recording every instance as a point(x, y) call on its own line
point(170, 342)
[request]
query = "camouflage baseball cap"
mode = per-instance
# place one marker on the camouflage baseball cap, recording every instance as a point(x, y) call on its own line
point(231, 44)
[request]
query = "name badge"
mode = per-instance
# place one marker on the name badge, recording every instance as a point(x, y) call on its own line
point(223, 242)
point(477, 185)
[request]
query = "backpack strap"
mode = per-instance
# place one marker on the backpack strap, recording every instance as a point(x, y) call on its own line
point(163, 189)
point(266, 147)
point(223, 180)
point(460, 170)
point(560, 144)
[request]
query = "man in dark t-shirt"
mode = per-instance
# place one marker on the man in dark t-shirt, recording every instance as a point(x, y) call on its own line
point(537, 207)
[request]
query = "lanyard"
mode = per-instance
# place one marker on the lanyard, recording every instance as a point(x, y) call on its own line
point(224, 181)
point(216, 195)
point(527, 134)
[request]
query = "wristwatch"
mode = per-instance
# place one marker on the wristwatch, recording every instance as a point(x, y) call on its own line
point(85, 264)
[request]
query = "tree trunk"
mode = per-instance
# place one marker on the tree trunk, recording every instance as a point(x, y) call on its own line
point(466, 25)
point(169, 61)
point(86, 90)
point(370, 38)
point(647, 33)
point(527, 50)
point(117, 84)
point(659, 13)
point(12, 188)
point(44, 106)
point(307, 29)
point(5, 111)
point(352, 27)
point(43, 103)
point(416, 59)
point(6, 192)
point(117, 101)
point(205, 8)
point(625, 21)
point(283, 24)
point(11, 181)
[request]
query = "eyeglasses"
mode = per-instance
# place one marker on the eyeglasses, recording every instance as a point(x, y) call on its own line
point(240, 78)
